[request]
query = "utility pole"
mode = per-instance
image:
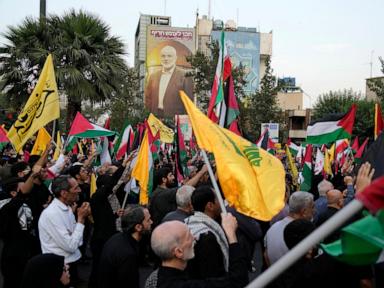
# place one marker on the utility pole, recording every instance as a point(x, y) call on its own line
point(371, 63)
point(43, 10)
point(209, 9)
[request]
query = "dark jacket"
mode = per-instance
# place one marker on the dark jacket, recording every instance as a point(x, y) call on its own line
point(43, 271)
point(102, 213)
point(172, 103)
point(119, 262)
point(177, 215)
point(237, 276)
point(162, 202)
point(208, 260)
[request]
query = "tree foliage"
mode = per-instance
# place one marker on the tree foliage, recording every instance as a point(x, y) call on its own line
point(88, 60)
point(203, 72)
point(261, 107)
point(338, 102)
point(377, 85)
point(129, 105)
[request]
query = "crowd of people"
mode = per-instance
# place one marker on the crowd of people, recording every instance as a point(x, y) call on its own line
point(50, 221)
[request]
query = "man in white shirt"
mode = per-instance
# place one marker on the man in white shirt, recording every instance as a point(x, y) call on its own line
point(58, 231)
point(162, 90)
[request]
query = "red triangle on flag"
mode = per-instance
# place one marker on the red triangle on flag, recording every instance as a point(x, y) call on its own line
point(79, 125)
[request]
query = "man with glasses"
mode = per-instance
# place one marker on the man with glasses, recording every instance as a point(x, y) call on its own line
point(60, 234)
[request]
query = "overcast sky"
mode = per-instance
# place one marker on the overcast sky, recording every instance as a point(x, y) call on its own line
point(326, 45)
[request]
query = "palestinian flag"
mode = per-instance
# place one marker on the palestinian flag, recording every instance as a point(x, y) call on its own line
point(265, 142)
point(359, 153)
point(181, 153)
point(293, 148)
point(340, 146)
point(361, 242)
point(3, 138)
point(326, 131)
point(379, 122)
point(223, 107)
point(355, 145)
point(125, 142)
point(306, 184)
point(82, 128)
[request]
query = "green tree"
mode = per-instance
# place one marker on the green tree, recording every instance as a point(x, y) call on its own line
point(261, 107)
point(88, 61)
point(338, 102)
point(203, 72)
point(377, 85)
point(129, 105)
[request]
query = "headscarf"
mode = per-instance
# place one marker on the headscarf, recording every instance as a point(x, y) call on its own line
point(43, 271)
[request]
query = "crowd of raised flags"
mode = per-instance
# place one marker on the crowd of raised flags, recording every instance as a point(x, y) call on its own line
point(252, 180)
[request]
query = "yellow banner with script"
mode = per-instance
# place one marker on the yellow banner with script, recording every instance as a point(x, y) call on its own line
point(156, 126)
point(41, 108)
point(253, 181)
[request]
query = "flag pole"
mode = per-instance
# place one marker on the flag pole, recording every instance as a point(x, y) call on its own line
point(213, 180)
point(308, 243)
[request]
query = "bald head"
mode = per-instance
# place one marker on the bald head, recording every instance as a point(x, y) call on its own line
point(168, 236)
point(334, 197)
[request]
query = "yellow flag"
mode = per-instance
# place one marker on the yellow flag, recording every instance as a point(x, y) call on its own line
point(327, 163)
point(166, 133)
point(58, 146)
point(41, 108)
point(143, 170)
point(331, 152)
point(253, 181)
point(93, 186)
point(42, 140)
point(291, 164)
point(80, 145)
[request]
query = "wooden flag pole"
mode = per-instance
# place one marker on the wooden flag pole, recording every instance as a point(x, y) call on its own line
point(213, 180)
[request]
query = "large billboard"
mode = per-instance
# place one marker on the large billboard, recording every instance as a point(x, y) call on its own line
point(244, 49)
point(167, 66)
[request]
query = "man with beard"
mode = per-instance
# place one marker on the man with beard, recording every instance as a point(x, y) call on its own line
point(173, 242)
point(119, 262)
point(163, 199)
point(211, 247)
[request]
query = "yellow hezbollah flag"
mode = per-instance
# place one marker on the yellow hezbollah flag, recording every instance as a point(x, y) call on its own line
point(327, 163)
point(143, 170)
point(331, 152)
point(42, 140)
point(253, 181)
point(41, 108)
point(291, 164)
point(59, 146)
point(93, 186)
point(166, 133)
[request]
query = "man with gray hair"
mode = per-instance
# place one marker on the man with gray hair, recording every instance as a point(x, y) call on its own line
point(184, 205)
point(59, 231)
point(173, 242)
point(163, 86)
point(321, 203)
point(301, 206)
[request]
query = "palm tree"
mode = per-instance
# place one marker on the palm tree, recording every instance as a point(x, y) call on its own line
point(88, 61)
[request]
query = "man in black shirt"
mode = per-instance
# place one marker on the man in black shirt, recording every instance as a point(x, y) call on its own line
point(173, 242)
point(119, 262)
